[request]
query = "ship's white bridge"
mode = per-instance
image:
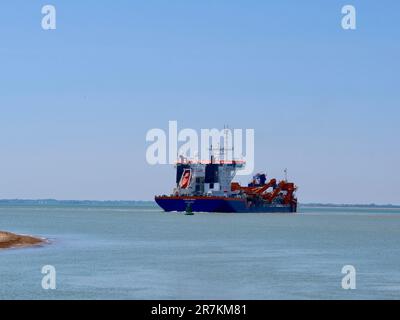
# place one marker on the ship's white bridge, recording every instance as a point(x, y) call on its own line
point(199, 177)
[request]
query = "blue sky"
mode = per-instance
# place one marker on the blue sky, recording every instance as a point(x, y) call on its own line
point(76, 102)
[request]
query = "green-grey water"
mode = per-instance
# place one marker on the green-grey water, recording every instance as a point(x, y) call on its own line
point(139, 252)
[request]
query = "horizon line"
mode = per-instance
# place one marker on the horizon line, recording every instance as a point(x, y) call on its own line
point(152, 201)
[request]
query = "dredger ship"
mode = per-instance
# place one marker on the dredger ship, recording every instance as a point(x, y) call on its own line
point(206, 186)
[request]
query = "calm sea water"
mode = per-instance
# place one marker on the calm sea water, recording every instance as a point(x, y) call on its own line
point(143, 253)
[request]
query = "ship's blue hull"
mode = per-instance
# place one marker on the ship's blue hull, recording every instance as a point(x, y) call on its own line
point(219, 204)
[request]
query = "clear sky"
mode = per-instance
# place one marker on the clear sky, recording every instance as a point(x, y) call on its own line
point(76, 102)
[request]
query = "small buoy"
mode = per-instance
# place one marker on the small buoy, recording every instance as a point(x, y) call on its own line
point(189, 211)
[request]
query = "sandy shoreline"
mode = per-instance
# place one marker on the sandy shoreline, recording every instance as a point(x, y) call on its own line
point(12, 240)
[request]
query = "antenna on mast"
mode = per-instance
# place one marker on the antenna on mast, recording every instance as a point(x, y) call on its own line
point(228, 149)
point(225, 149)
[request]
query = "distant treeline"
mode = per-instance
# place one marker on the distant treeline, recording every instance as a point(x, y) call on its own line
point(53, 202)
point(335, 205)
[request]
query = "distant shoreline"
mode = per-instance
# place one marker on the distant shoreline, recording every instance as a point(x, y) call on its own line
point(124, 203)
point(333, 205)
point(10, 240)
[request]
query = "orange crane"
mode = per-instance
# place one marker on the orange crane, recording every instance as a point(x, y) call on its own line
point(288, 187)
point(260, 190)
point(253, 190)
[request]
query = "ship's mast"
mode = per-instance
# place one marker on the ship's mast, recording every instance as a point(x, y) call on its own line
point(224, 149)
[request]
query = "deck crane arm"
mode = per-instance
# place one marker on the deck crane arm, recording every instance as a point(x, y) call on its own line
point(264, 188)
